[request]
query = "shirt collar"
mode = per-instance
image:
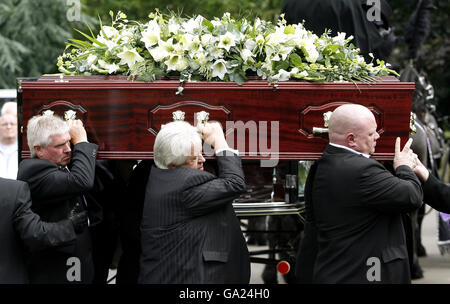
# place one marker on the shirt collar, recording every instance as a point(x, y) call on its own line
point(350, 149)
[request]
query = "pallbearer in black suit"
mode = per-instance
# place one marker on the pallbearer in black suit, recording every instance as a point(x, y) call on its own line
point(354, 206)
point(22, 231)
point(435, 192)
point(189, 231)
point(58, 177)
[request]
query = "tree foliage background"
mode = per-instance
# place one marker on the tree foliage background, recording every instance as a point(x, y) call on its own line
point(33, 32)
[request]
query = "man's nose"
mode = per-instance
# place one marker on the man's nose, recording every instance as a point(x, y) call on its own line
point(377, 136)
point(67, 148)
point(201, 158)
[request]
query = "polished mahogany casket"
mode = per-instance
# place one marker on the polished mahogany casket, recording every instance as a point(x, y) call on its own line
point(283, 120)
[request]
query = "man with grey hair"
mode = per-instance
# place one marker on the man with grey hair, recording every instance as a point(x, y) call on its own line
point(354, 231)
point(189, 231)
point(58, 177)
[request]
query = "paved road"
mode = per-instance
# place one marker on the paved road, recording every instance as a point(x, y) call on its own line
point(436, 267)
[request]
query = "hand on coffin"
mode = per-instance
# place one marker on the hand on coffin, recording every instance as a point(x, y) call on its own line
point(77, 131)
point(212, 134)
point(421, 171)
point(406, 156)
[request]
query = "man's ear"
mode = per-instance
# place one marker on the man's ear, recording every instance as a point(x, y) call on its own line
point(350, 138)
point(38, 151)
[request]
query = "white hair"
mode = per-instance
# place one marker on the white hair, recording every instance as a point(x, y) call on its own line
point(41, 127)
point(174, 143)
point(9, 107)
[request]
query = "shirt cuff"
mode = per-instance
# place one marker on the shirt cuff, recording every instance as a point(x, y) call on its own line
point(228, 150)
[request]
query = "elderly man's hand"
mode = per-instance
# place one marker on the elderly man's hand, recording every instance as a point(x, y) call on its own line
point(213, 135)
point(406, 156)
point(77, 131)
point(421, 171)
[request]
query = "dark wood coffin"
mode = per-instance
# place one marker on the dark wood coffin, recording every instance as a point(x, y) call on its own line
point(262, 120)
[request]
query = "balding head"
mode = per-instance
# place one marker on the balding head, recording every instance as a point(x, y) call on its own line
point(353, 126)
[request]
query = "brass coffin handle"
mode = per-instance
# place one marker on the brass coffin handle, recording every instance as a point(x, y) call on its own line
point(412, 124)
point(320, 130)
point(70, 115)
point(178, 115)
point(48, 113)
point(202, 117)
point(326, 119)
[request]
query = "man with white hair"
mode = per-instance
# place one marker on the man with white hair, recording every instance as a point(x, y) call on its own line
point(354, 231)
point(8, 146)
point(58, 177)
point(189, 230)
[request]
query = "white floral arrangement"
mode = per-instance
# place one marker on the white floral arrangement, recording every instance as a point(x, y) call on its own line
point(222, 49)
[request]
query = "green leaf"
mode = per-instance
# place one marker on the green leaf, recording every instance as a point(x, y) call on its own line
point(208, 24)
point(280, 65)
point(91, 39)
point(296, 60)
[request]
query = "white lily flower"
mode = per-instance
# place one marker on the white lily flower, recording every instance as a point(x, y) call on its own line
point(176, 62)
point(207, 40)
point(107, 66)
point(226, 41)
point(152, 34)
point(260, 39)
point(340, 38)
point(246, 55)
point(282, 75)
point(200, 57)
point(163, 50)
point(174, 27)
point(189, 42)
point(193, 24)
point(219, 69)
point(110, 44)
point(110, 32)
point(129, 57)
point(92, 59)
point(250, 44)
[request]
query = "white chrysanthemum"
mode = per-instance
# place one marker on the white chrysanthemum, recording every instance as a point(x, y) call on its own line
point(129, 57)
point(219, 69)
point(226, 41)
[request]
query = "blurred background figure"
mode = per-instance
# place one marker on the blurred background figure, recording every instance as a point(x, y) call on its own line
point(8, 141)
point(354, 17)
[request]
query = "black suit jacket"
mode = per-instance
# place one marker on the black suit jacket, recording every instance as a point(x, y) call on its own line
point(56, 193)
point(189, 231)
point(436, 194)
point(21, 229)
point(356, 208)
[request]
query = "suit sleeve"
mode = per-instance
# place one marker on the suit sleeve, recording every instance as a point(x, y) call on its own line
point(437, 194)
point(202, 196)
point(389, 193)
point(36, 234)
point(50, 183)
